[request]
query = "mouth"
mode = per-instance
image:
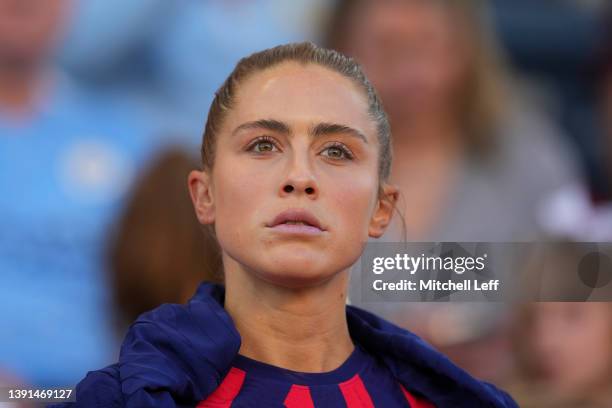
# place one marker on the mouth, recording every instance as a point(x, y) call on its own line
point(296, 221)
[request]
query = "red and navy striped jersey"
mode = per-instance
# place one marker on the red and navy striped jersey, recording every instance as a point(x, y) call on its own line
point(361, 381)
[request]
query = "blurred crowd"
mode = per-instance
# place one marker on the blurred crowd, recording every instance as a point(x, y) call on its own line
point(501, 114)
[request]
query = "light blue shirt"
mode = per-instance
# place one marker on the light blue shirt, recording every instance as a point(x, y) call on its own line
point(64, 172)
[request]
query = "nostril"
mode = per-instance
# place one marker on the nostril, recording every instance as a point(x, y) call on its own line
point(288, 188)
point(309, 190)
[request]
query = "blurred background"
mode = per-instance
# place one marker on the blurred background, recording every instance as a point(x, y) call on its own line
point(501, 113)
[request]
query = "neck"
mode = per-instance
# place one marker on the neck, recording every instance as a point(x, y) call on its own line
point(298, 329)
point(18, 86)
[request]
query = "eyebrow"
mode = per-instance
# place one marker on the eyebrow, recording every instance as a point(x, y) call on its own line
point(322, 129)
point(267, 124)
point(319, 130)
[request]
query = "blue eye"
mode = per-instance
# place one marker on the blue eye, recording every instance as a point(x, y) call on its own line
point(337, 151)
point(262, 144)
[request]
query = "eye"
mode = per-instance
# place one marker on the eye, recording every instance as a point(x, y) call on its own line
point(262, 144)
point(337, 151)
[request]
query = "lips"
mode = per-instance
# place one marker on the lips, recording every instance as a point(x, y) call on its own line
point(298, 220)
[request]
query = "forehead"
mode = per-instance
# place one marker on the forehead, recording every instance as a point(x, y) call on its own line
point(403, 18)
point(302, 95)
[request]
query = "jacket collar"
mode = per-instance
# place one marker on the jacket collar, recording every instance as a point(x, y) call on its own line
point(419, 367)
point(187, 350)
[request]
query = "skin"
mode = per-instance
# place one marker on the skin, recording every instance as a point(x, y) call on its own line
point(287, 292)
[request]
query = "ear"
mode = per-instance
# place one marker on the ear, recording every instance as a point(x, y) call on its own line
point(200, 190)
point(387, 200)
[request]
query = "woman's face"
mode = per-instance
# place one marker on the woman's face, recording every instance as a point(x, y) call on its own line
point(298, 144)
point(414, 52)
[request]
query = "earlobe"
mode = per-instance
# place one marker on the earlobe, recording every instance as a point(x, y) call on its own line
point(200, 190)
point(383, 213)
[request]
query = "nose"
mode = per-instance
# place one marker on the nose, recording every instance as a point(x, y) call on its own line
point(300, 178)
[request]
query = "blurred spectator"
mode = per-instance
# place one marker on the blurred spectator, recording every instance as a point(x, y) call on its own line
point(66, 159)
point(158, 252)
point(466, 149)
point(564, 354)
point(471, 158)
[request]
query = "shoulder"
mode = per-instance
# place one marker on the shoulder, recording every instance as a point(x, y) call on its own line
point(419, 367)
point(101, 388)
point(172, 353)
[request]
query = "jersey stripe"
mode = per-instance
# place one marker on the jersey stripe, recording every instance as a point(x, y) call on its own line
point(299, 397)
point(355, 394)
point(414, 401)
point(227, 391)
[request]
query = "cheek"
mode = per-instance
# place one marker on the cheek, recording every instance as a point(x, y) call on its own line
point(352, 198)
point(238, 199)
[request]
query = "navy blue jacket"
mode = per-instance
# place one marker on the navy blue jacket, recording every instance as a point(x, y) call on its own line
point(177, 355)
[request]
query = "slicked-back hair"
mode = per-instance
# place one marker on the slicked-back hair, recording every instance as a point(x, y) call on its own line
point(302, 53)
